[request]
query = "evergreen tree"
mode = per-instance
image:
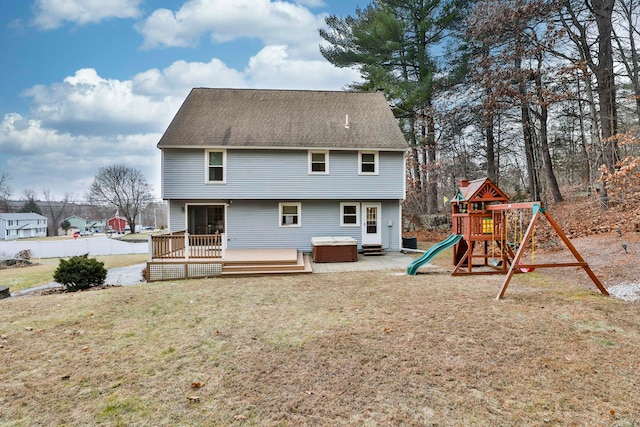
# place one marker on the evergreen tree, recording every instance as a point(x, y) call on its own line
point(65, 225)
point(30, 204)
point(392, 43)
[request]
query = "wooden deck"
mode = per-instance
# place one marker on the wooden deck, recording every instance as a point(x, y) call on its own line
point(235, 262)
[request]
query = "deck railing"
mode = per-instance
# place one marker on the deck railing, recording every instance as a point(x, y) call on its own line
point(182, 245)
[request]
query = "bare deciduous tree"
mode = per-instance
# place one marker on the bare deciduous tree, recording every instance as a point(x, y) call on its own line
point(5, 191)
point(56, 211)
point(123, 188)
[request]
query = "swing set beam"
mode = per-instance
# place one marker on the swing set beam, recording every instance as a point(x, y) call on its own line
point(538, 212)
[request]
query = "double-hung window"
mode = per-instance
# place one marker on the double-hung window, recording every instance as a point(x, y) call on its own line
point(319, 162)
point(216, 166)
point(349, 214)
point(290, 214)
point(368, 163)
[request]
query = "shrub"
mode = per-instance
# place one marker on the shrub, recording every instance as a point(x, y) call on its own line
point(80, 272)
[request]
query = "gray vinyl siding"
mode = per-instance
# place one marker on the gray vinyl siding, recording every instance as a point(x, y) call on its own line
point(281, 174)
point(255, 223)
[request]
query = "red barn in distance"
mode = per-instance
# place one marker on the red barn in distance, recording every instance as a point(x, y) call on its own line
point(116, 224)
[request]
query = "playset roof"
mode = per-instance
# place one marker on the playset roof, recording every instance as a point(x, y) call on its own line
point(479, 190)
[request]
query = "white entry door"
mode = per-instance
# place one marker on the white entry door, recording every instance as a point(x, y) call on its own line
point(371, 230)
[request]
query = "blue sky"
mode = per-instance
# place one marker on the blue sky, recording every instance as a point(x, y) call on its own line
point(90, 83)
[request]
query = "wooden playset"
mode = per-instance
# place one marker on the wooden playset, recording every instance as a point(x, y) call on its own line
point(493, 232)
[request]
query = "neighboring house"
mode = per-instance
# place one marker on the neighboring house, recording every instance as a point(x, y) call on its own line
point(117, 224)
point(274, 168)
point(84, 224)
point(22, 225)
point(95, 225)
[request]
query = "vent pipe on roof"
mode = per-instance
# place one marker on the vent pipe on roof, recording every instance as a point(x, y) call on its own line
point(346, 122)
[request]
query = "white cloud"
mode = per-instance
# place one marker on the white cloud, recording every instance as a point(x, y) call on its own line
point(89, 104)
point(50, 14)
point(311, 3)
point(273, 22)
point(42, 158)
point(273, 68)
point(19, 135)
point(88, 121)
point(182, 76)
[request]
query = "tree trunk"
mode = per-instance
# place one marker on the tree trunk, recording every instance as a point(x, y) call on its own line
point(629, 56)
point(529, 148)
point(432, 171)
point(527, 134)
point(603, 10)
point(547, 163)
point(490, 149)
point(413, 162)
point(414, 165)
point(586, 164)
point(56, 213)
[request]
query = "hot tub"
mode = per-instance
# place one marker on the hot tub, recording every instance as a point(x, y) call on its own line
point(334, 249)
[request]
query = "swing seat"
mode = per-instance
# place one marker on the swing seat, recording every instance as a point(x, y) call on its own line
point(527, 269)
point(496, 262)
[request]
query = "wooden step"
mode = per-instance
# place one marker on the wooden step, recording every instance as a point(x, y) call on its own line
point(301, 265)
point(261, 256)
point(372, 250)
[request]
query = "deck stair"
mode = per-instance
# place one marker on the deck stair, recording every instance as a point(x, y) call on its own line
point(235, 263)
point(271, 261)
point(372, 250)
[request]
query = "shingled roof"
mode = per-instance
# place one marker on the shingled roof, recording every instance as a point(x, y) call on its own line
point(284, 119)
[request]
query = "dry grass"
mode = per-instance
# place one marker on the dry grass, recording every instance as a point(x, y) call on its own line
point(375, 348)
point(41, 272)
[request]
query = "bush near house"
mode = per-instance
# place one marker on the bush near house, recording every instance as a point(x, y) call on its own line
point(80, 272)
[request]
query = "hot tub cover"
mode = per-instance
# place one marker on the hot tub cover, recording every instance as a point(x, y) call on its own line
point(333, 241)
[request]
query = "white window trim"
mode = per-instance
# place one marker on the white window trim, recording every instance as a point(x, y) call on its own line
point(224, 166)
point(298, 205)
point(342, 205)
point(376, 161)
point(326, 162)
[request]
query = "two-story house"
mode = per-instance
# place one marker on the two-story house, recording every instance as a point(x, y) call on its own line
point(22, 225)
point(85, 224)
point(275, 168)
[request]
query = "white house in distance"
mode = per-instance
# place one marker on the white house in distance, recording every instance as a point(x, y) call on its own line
point(22, 225)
